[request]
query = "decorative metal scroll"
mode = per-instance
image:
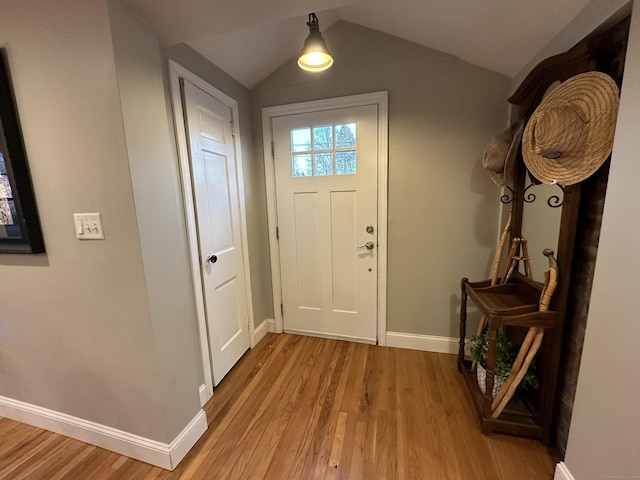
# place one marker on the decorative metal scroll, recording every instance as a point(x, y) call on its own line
point(507, 197)
point(529, 197)
point(554, 201)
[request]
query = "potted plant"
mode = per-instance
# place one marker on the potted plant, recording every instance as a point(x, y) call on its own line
point(506, 353)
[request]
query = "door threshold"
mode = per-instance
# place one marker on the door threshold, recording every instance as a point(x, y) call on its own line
point(309, 333)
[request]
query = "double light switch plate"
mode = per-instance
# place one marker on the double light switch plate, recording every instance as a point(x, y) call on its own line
point(88, 226)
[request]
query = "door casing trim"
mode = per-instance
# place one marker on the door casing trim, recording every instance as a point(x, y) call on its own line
point(268, 113)
point(176, 72)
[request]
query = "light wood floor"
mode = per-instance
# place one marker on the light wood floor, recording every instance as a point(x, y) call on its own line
point(307, 408)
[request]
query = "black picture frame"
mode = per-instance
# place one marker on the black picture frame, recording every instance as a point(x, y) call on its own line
point(19, 225)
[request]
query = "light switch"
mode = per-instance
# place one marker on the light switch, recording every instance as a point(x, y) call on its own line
point(88, 226)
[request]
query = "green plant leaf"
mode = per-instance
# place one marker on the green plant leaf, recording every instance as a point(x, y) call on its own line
point(506, 353)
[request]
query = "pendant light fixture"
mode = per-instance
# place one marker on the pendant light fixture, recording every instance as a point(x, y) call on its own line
point(315, 56)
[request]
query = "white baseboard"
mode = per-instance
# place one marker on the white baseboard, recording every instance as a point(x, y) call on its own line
point(186, 439)
point(261, 330)
point(150, 451)
point(271, 325)
point(562, 472)
point(204, 397)
point(425, 343)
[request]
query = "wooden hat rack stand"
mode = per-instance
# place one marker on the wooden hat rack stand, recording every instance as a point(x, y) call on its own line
point(533, 313)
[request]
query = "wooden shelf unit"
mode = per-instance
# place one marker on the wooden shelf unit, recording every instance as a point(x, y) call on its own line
point(514, 304)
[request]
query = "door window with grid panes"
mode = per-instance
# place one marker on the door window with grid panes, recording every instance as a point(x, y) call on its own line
point(324, 150)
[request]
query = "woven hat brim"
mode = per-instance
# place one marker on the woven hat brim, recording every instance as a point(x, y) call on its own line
point(498, 155)
point(598, 95)
point(502, 178)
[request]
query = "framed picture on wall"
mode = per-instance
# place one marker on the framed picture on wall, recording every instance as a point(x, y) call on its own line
point(19, 225)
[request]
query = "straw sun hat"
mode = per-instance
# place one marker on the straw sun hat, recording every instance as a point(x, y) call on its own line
point(500, 153)
point(570, 134)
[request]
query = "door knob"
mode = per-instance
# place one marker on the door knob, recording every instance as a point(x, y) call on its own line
point(368, 246)
point(212, 258)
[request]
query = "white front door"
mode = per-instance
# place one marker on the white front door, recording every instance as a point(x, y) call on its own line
point(326, 189)
point(217, 205)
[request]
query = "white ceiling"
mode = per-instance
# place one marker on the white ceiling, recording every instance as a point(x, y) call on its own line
point(249, 39)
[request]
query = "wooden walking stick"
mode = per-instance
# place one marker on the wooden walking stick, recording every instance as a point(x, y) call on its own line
point(551, 281)
point(545, 299)
point(494, 273)
point(511, 265)
point(496, 265)
point(514, 258)
point(528, 340)
point(499, 250)
point(531, 343)
point(526, 258)
point(511, 389)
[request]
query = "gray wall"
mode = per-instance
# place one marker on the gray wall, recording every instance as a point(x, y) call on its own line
point(443, 209)
point(158, 207)
point(253, 179)
point(82, 329)
point(605, 426)
point(606, 404)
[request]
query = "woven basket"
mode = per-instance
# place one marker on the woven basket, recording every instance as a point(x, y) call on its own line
point(498, 382)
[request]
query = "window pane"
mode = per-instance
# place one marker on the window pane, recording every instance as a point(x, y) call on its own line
point(6, 218)
point(301, 165)
point(5, 187)
point(346, 135)
point(322, 138)
point(301, 140)
point(7, 206)
point(346, 162)
point(323, 164)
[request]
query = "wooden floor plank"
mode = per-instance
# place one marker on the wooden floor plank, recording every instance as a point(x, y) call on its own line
point(241, 374)
point(336, 448)
point(304, 414)
point(50, 460)
point(92, 463)
point(263, 454)
point(15, 439)
point(24, 456)
point(351, 406)
point(336, 420)
point(321, 422)
point(249, 428)
point(310, 408)
point(206, 455)
point(372, 400)
point(472, 450)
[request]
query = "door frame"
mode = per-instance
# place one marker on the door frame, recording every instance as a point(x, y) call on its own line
point(176, 72)
point(268, 113)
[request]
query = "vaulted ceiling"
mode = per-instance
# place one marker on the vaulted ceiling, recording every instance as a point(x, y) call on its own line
point(249, 39)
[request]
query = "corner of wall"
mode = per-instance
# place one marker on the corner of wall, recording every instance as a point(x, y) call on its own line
point(562, 472)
